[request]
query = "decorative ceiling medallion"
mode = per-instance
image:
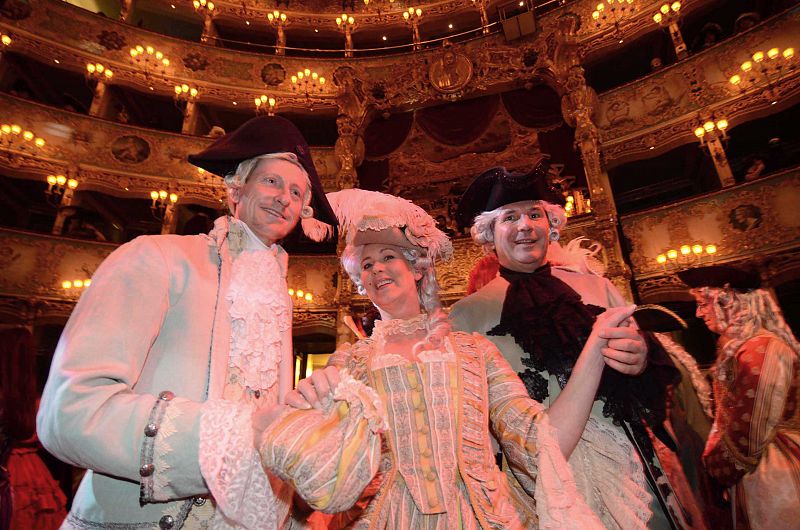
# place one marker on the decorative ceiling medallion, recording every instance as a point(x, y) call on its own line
point(450, 72)
point(273, 74)
point(130, 149)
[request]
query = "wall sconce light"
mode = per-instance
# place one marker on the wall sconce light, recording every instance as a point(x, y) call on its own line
point(301, 296)
point(161, 201)
point(73, 286)
point(265, 105)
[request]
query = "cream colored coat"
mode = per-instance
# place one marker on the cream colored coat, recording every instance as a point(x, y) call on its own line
point(154, 319)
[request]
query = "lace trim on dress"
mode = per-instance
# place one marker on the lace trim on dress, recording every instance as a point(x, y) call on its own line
point(261, 315)
point(232, 470)
point(612, 476)
point(558, 503)
point(399, 326)
point(359, 395)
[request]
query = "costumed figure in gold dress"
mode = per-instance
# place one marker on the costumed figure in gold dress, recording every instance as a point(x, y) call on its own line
point(754, 445)
point(404, 419)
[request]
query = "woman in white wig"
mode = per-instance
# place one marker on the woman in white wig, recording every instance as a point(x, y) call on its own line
point(412, 408)
point(754, 445)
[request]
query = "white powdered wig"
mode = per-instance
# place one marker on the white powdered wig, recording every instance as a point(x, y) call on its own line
point(238, 178)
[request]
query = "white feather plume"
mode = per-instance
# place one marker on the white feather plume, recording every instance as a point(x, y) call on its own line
point(577, 257)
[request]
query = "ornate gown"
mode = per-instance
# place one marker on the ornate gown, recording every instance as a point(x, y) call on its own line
point(416, 436)
point(754, 445)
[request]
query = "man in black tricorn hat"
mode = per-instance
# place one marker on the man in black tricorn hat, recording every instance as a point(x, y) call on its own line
point(180, 346)
point(754, 445)
point(539, 316)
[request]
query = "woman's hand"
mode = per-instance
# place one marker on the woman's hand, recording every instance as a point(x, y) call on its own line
point(312, 391)
point(621, 345)
point(263, 418)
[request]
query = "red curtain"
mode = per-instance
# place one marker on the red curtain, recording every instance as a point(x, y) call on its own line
point(537, 108)
point(458, 123)
point(384, 135)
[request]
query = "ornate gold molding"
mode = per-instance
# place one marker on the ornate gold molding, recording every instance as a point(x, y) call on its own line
point(657, 113)
point(118, 159)
point(753, 219)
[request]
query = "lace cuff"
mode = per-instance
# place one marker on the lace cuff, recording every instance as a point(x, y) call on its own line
point(231, 468)
point(558, 503)
point(361, 397)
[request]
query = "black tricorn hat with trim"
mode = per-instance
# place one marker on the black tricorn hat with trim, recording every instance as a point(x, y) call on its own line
point(265, 135)
point(497, 186)
point(720, 276)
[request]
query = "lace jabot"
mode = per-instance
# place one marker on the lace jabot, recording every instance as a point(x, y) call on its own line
point(260, 310)
point(398, 326)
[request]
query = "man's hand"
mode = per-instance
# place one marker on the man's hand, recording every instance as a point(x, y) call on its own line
point(626, 351)
point(312, 391)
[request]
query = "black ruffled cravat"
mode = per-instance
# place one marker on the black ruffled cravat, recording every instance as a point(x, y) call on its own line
point(551, 324)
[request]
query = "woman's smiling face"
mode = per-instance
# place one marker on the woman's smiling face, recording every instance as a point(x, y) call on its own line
point(390, 280)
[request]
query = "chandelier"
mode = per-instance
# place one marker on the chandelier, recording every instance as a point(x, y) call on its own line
point(5, 40)
point(149, 60)
point(616, 12)
point(687, 256)
point(308, 83)
point(764, 70)
point(13, 136)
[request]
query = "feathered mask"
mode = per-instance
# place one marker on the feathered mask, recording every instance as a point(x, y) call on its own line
point(374, 217)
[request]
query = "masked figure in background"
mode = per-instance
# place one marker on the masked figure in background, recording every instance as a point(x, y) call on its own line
point(754, 445)
point(539, 316)
point(415, 405)
point(162, 364)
